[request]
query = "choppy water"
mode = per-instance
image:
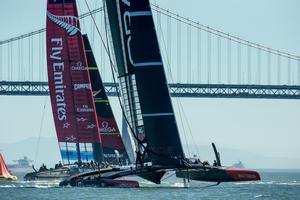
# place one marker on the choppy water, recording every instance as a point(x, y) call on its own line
point(273, 186)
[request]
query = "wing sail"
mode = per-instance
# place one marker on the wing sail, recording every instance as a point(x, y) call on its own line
point(143, 82)
point(70, 88)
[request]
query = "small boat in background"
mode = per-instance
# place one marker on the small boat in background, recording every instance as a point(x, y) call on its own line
point(239, 164)
point(5, 174)
point(22, 165)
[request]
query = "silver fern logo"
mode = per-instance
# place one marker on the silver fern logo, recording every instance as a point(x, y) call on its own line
point(69, 23)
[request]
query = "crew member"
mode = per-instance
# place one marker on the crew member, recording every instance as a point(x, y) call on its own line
point(138, 158)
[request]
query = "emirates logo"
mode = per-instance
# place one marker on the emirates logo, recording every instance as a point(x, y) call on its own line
point(68, 23)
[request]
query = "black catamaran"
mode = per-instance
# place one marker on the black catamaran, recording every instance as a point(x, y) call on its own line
point(147, 104)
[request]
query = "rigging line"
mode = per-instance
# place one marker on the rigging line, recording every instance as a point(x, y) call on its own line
point(99, 33)
point(93, 27)
point(40, 130)
point(182, 19)
point(190, 131)
point(107, 42)
point(83, 25)
point(178, 101)
point(184, 131)
point(119, 99)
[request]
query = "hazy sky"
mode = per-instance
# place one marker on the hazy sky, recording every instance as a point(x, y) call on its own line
point(267, 127)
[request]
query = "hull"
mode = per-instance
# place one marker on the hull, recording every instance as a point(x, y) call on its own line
point(219, 174)
point(154, 174)
point(55, 174)
point(107, 177)
point(106, 183)
point(117, 175)
point(12, 178)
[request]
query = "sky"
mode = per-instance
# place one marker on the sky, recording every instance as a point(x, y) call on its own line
point(266, 127)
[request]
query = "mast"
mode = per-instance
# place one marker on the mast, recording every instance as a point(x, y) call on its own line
point(110, 134)
point(143, 82)
point(69, 84)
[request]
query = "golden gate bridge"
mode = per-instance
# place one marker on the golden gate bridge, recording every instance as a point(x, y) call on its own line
point(200, 61)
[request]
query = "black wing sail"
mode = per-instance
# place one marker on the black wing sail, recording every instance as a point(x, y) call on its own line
point(110, 134)
point(143, 82)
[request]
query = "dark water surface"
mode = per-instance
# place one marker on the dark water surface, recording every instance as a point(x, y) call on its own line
point(274, 185)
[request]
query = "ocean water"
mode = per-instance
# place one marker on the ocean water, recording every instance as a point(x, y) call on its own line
point(274, 185)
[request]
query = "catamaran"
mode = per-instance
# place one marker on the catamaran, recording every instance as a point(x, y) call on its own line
point(147, 106)
point(87, 131)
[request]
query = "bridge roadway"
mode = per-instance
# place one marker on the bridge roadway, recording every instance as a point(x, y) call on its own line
point(177, 90)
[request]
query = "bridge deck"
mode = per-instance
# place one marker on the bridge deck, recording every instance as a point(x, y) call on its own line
point(176, 89)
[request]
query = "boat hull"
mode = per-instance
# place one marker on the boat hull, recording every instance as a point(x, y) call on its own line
point(107, 177)
point(102, 182)
point(52, 174)
point(219, 174)
point(12, 178)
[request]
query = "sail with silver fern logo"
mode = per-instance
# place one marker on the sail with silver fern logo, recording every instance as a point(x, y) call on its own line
point(72, 98)
point(71, 94)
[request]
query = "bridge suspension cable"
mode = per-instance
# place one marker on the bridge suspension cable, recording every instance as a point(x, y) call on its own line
point(44, 29)
point(222, 34)
point(196, 54)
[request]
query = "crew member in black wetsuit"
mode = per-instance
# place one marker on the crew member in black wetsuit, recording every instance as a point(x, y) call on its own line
point(138, 158)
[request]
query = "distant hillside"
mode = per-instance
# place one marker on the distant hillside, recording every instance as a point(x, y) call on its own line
point(49, 154)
